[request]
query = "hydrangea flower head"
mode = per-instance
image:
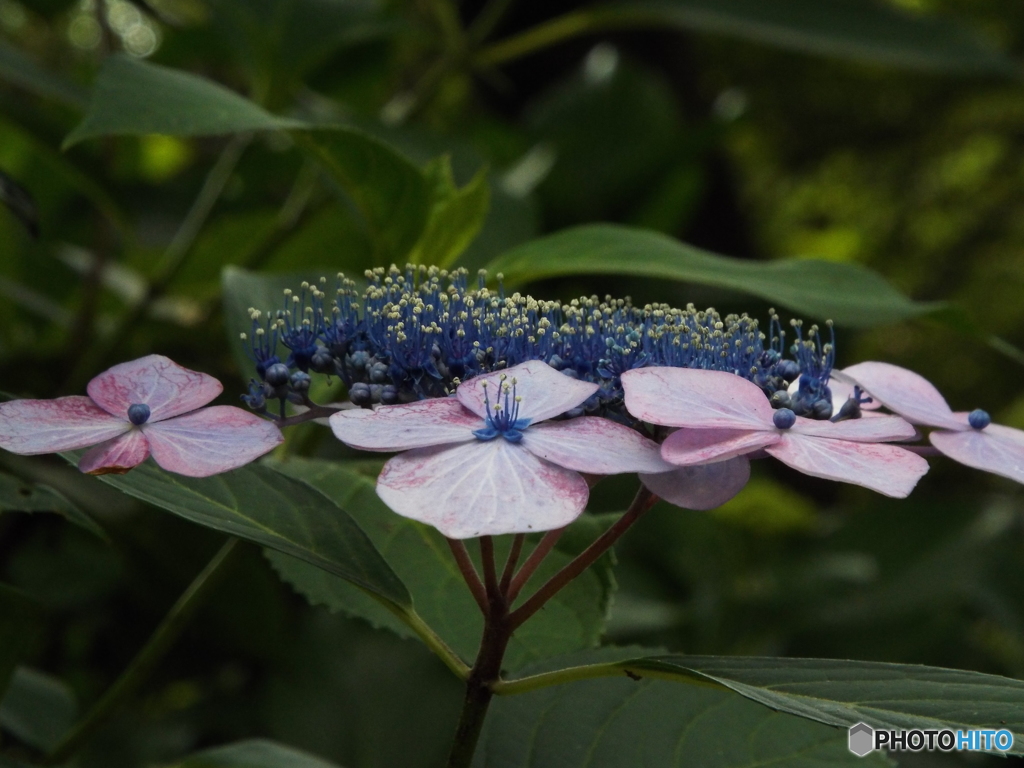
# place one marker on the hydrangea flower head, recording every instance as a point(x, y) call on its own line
point(490, 460)
point(968, 437)
point(721, 416)
point(150, 406)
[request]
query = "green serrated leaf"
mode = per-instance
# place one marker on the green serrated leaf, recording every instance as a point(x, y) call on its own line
point(624, 723)
point(391, 194)
point(255, 753)
point(263, 506)
point(849, 294)
point(20, 630)
point(19, 496)
point(574, 619)
point(134, 98)
point(456, 216)
point(38, 709)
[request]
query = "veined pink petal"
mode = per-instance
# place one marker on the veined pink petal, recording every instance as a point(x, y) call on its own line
point(887, 469)
point(543, 391)
point(401, 427)
point(877, 429)
point(48, 426)
point(702, 487)
point(681, 397)
point(594, 445)
point(904, 392)
point(995, 449)
point(482, 488)
point(688, 447)
point(117, 456)
point(210, 441)
point(167, 388)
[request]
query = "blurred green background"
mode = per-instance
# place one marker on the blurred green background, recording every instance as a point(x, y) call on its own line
point(756, 140)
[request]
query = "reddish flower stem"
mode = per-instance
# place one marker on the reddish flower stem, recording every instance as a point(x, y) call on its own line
point(510, 563)
point(490, 571)
point(469, 573)
point(536, 557)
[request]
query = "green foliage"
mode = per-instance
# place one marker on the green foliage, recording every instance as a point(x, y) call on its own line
point(19, 496)
point(573, 620)
point(260, 505)
point(19, 631)
point(257, 753)
point(37, 709)
point(456, 215)
point(846, 293)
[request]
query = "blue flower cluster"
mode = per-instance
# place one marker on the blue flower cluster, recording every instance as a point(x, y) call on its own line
point(416, 333)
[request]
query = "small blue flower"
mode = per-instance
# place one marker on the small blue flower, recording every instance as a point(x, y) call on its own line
point(503, 419)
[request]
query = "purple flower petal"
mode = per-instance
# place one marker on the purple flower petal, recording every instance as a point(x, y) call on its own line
point(167, 388)
point(482, 488)
point(995, 449)
point(703, 487)
point(888, 469)
point(681, 397)
point(401, 427)
point(877, 429)
point(904, 392)
point(543, 391)
point(688, 447)
point(210, 441)
point(594, 445)
point(48, 426)
point(117, 456)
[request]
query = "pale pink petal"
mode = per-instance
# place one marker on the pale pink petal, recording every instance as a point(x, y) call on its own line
point(687, 447)
point(117, 456)
point(681, 397)
point(995, 449)
point(543, 391)
point(841, 392)
point(594, 445)
point(401, 427)
point(211, 440)
point(168, 389)
point(877, 429)
point(48, 426)
point(888, 469)
point(904, 392)
point(482, 488)
point(703, 487)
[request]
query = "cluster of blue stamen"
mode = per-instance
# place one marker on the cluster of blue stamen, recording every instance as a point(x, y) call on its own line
point(415, 334)
point(503, 418)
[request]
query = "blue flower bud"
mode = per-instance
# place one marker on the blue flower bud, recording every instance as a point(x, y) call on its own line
point(822, 410)
point(138, 413)
point(277, 375)
point(784, 418)
point(378, 372)
point(322, 361)
point(359, 394)
point(979, 419)
point(389, 394)
point(788, 370)
point(781, 399)
point(299, 382)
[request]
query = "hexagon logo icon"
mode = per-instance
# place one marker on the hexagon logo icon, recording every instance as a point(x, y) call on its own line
point(862, 737)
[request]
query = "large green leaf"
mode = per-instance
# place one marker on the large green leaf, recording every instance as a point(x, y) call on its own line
point(38, 709)
point(863, 30)
point(19, 496)
point(20, 629)
point(134, 98)
point(392, 195)
point(842, 693)
point(255, 753)
point(625, 723)
point(261, 505)
point(847, 293)
point(574, 619)
point(456, 215)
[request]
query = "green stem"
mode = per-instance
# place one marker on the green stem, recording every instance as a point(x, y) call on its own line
point(560, 29)
point(633, 669)
point(147, 659)
point(172, 262)
point(432, 641)
point(488, 18)
point(642, 502)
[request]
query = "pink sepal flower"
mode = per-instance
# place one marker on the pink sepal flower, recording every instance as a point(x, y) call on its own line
point(488, 461)
point(137, 409)
point(992, 448)
point(722, 416)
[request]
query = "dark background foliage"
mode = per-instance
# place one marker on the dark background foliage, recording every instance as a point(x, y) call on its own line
point(739, 147)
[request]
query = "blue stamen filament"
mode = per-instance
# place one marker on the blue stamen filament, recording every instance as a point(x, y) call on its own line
point(503, 418)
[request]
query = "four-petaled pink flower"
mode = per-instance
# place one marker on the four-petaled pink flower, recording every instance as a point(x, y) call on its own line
point(722, 416)
point(488, 461)
point(969, 438)
point(147, 406)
